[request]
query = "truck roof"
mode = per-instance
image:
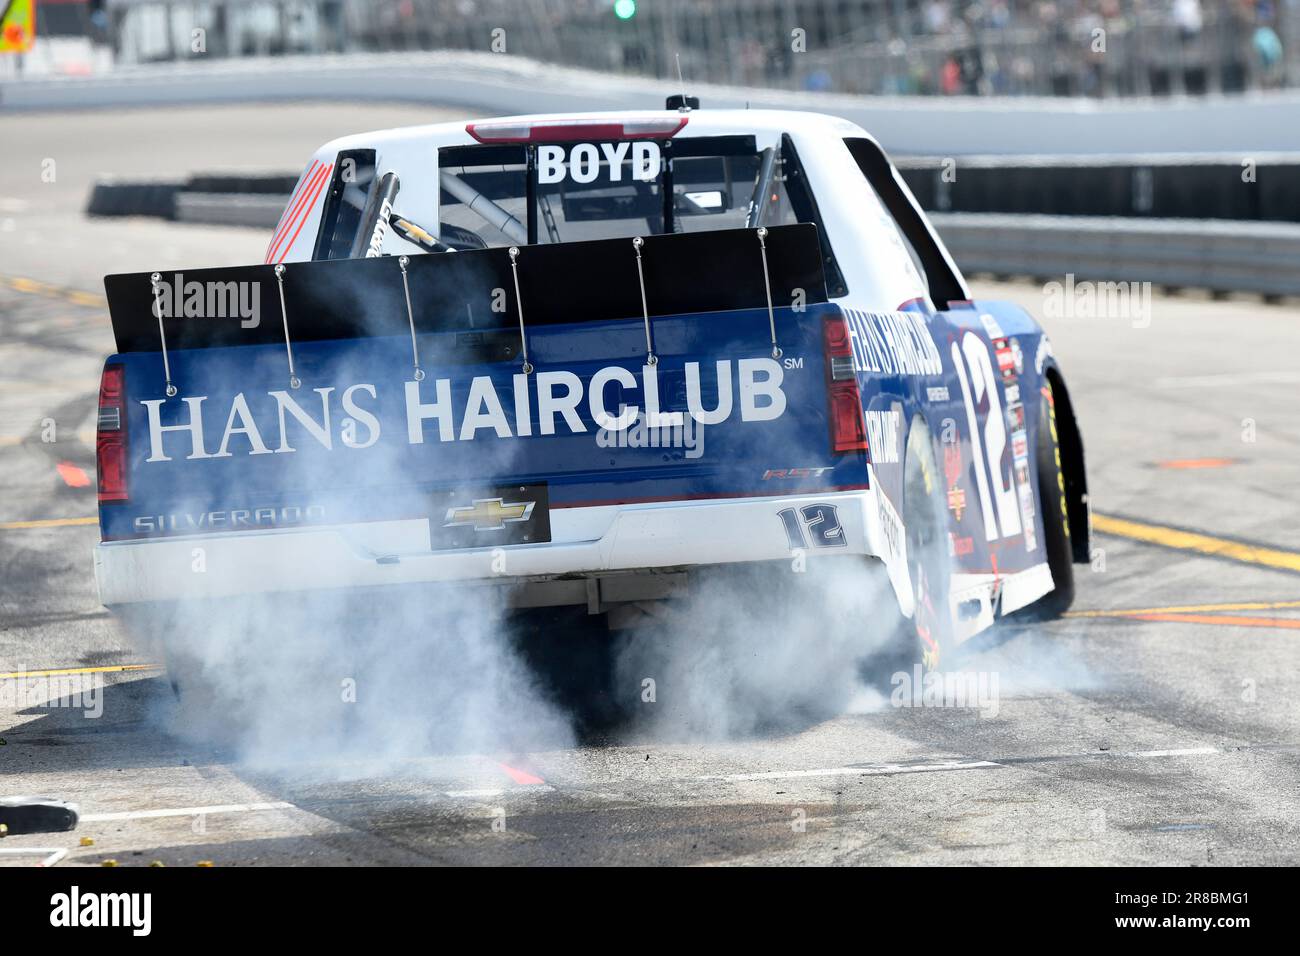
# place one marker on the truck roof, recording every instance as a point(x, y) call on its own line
point(701, 122)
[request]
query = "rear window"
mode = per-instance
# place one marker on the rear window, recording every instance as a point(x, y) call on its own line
point(615, 190)
point(515, 194)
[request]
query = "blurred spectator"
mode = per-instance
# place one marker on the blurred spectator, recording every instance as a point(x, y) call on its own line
point(1268, 52)
point(1188, 18)
point(945, 47)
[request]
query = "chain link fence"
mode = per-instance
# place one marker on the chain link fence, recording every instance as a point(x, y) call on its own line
point(1100, 48)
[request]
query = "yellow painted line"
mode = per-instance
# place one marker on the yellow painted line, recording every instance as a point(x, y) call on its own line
point(35, 287)
point(85, 298)
point(1225, 620)
point(1189, 609)
point(1196, 542)
point(69, 671)
point(45, 523)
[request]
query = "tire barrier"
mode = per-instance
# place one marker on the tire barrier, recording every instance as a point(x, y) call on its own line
point(1240, 188)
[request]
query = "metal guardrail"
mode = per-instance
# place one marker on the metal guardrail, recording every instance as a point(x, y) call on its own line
point(1174, 253)
point(1220, 255)
point(230, 209)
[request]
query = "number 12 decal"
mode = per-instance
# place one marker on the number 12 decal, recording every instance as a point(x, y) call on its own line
point(987, 453)
point(822, 521)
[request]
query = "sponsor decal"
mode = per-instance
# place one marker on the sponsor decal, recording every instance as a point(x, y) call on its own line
point(1025, 492)
point(230, 519)
point(1006, 356)
point(1011, 393)
point(489, 514)
point(961, 546)
point(1043, 352)
point(1019, 445)
point(991, 326)
point(883, 430)
point(937, 393)
point(584, 162)
point(476, 517)
point(376, 247)
point(891, 529)
point(952, 471)
point(893, 343)
point(772, 473)
point(1015, 417)
point(748, 388)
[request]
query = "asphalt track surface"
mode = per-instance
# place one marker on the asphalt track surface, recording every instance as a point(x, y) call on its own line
point(1156, 725)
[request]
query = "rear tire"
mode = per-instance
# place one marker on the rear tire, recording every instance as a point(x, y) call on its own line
point(1056, 522)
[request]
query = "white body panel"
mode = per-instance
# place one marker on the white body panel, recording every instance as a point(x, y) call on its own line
point(877, 270)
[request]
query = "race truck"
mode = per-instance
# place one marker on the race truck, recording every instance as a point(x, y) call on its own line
point(582, 361)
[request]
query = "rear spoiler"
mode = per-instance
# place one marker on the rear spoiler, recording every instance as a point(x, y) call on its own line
point(562, 282)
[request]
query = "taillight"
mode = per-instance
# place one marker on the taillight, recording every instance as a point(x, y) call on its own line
point(848, 432)
point(110, 438)
point(576, 130)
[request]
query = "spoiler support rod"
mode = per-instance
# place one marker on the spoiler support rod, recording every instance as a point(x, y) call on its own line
point(154, 280)
point(650, 357)
point(294, 381)
point(402, 262)
point(519, 305)
point(767, 287)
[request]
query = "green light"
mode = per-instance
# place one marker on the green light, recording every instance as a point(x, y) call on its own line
point(625, 9)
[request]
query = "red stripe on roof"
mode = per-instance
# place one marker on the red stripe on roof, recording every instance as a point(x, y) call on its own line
point(284, 216)
point(306, 213)
point(300, 211)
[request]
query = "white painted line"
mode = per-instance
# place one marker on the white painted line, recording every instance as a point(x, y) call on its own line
point(499, 791)
point(184, 812)
point(878, 770)
point(1187, 752)
point(49, 855)
point(1227, 379)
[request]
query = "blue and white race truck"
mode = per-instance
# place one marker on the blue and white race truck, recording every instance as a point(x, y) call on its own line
point(582, 360)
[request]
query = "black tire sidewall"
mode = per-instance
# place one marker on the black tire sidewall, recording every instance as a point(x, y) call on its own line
point(1056, 527)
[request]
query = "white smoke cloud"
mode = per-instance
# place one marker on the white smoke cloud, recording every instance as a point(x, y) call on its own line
point(759, 649)
point(359, 679)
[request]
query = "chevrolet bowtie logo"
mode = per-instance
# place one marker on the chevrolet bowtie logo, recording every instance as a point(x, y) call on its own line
point(489, 514)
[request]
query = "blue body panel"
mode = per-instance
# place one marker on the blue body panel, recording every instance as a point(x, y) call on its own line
point(980, 540)
point(391, 477)
point(974, 374)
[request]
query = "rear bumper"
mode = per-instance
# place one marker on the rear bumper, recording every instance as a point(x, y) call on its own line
point(603, 542)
